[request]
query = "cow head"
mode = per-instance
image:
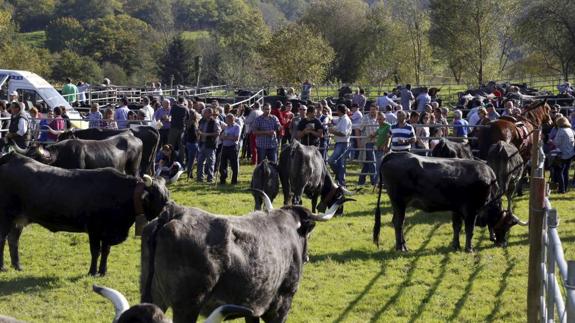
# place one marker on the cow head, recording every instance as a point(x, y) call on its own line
point(331, 194)
point(500, 221)
point(68, 134)
point(154, 196)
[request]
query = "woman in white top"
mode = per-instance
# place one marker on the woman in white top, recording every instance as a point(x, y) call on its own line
point(564, 141)
point(422, 132)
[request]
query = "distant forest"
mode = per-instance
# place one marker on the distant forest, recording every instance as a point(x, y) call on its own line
point(263, 42)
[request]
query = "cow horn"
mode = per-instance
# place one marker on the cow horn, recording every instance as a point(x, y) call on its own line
point(331, 211)
point(19, 150)
point(521, 223)
point(148, 180)
point(225, 311)
point(265, 197)
point(120, 302)
point(348, 192)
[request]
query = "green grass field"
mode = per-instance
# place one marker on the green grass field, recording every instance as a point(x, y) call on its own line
point(35, 39)
point(347, 279)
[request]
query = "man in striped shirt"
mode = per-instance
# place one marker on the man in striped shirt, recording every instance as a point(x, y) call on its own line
point(402, 133)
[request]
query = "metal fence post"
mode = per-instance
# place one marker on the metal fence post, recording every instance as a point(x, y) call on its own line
point(551, 224)
point(570, 286)
point(536, 215)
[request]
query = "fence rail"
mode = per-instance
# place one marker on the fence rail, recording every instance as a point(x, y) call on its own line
point(545, 298)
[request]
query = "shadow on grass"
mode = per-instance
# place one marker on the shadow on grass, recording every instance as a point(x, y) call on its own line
point(467, 291)
point(27, 284)
point(502, 287)
point(408, 276)
point(366, 290)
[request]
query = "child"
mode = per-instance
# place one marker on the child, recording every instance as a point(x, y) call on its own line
point(94, 117)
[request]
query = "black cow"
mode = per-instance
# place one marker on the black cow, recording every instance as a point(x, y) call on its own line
point(303, 170)
point(468, 188)
point(151, 313)
point(506, 162)
point(122, 152)
point(103, 202)
point(265, 178)
point(149, 136)
point(194, 261)
point(451, 149)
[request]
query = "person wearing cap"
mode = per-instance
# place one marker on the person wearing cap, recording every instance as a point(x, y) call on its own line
point(70, 91)
point(18, 131)
point(13, 96)
point(230, 137)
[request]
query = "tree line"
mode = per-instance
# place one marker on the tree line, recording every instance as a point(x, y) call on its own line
point(261, 42)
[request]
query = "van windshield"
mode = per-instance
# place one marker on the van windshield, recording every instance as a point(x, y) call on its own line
point(53, 98)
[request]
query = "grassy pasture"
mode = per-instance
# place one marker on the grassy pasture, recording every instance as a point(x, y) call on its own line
point(347, 279)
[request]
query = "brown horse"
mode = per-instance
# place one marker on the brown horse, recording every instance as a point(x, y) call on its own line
point(517, 131)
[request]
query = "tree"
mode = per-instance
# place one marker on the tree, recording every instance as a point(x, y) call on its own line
point(300, 60)
point(468, 40)
point(177, 61)
point(156, 13)
point(195, 14)
point(342, 23)
point(33, 14)
point(549, 29)
point(64, 33)
point(121, 40)
point(414, 19)
point(17, 56)
point(7, 27)
point(69, 64)
point(237, 33)
point(87, 9)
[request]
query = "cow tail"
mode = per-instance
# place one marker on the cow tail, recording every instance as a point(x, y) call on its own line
point(377, 225)
point(147, 292)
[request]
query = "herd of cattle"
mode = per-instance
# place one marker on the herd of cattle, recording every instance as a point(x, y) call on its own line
point(193, 261)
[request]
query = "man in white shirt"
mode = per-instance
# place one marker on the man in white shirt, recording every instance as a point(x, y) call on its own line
point(148, 110)
point(386, 100)
point(423, 99)
point(341, 132)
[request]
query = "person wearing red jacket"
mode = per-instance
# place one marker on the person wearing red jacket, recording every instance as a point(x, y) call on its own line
point(276, 111)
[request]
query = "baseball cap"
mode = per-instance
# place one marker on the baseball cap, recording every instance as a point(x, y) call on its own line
point(14, 92)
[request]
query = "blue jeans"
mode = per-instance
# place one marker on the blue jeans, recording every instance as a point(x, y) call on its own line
point(206, 163)
point(192, 150)
point(269, 153)
point(563, 175)
point(368, 167)
point(337, 161)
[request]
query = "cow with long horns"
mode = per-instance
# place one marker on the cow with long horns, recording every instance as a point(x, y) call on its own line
point(193, 260)
point(102, 202)
point(302, 170)
point(467, 188)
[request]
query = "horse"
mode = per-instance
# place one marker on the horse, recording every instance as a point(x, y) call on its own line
point(517, 131)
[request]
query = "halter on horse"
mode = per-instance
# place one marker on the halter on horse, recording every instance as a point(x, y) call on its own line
point(517, 131)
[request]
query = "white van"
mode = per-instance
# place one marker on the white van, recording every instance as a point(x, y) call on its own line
point(33, 89)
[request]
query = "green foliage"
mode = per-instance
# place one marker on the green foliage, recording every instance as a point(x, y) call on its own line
point(347, 278)
point(115, 73)
point(156, 13)
point(6, 26)
point(291, 60)
point(17, 56)
point(33, 14)
point(468, 40)
point(234, 31)
point(195, 14)
point(69, 64)
point(549, 30)
point(33, 39)
point(177, 62)
point(342, 24)
point(64, 33)
point(121, 40)
point(87, 9)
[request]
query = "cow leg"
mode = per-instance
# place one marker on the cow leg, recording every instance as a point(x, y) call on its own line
point(313, 203)
point(457, 221)
point(185, 313)
point(398, 219)
point(95, 252)
point(469, 227)
point(13, 243)
point(3, 235)
point(104, 259)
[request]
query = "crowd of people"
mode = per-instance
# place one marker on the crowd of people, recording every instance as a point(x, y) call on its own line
point(201, 138)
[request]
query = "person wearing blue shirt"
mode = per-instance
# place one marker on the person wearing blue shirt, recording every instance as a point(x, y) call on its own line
point(460, 125)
